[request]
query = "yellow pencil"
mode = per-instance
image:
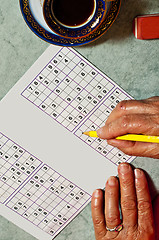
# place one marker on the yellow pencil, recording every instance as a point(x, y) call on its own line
point(129, 137)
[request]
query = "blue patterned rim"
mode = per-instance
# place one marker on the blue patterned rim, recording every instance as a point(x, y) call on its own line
point(68, 42)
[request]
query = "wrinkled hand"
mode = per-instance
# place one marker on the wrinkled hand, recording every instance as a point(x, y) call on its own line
point(137, 117)
point(136, 207)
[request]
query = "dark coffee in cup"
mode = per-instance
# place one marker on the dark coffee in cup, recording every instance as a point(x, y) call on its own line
point(72, 13)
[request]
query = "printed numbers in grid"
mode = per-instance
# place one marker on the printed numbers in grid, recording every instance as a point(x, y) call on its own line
point(48, 200)
point(68, 89)
point(96, 120)
point(16, 165)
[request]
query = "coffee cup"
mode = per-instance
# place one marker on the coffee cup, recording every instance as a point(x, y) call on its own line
point(90, 25)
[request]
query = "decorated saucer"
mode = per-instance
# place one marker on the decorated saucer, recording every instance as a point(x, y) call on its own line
point(99, 14)
point(32, 11)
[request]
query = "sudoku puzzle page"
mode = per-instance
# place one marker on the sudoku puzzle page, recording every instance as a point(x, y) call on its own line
point(48, 168)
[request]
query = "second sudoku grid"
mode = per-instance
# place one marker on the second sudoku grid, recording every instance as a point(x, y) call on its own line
point(16, 165)
point(48, 200)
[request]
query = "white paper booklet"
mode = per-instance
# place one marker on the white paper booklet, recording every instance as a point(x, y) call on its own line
point(48, 169)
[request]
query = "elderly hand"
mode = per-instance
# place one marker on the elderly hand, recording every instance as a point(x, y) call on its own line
point(137, 117)
point(136, 207)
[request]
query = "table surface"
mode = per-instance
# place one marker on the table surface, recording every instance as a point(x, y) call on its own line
point(131, 63)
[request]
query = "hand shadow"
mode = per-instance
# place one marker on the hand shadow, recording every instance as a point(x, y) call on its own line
point(152, 189)
point(122, 28)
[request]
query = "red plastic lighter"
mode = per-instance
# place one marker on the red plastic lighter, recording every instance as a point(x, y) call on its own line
point(146, 26)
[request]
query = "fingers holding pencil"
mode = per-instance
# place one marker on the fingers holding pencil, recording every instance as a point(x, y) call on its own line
point(132, 144)
point(146, 124)
point(133, 117)
point(139, 149)
point(127, 107)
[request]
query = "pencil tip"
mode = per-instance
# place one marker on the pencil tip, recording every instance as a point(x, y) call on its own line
point(85, 133)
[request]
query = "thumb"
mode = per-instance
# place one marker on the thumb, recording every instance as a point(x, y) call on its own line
point(103, 132)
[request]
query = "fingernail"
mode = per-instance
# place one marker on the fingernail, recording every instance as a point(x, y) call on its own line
point(124, 168)
point(138, 173)
point(100, 131)
point(112, 181)
point(112, 142)
point(96, 193)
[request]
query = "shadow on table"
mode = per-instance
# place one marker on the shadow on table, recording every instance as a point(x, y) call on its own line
point(152, 188)
point(123, 26)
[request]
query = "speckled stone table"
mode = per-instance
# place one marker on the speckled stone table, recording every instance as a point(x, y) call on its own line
point(132, 63)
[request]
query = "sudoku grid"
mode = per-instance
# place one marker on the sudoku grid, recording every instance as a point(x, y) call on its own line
point(35, 191)
point(95, 121)
point(16, 166)
point(78, 96)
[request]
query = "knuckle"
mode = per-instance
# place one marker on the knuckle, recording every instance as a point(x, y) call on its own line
point(126, 182)
point(110, 193)
point(101, 234)
point(129, 204)
point(144, 205)
point(98, 222)
point(125, 121)
point(123, 105)
point(112, 219)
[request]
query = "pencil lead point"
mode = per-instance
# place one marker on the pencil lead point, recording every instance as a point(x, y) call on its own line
point(85, 133)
